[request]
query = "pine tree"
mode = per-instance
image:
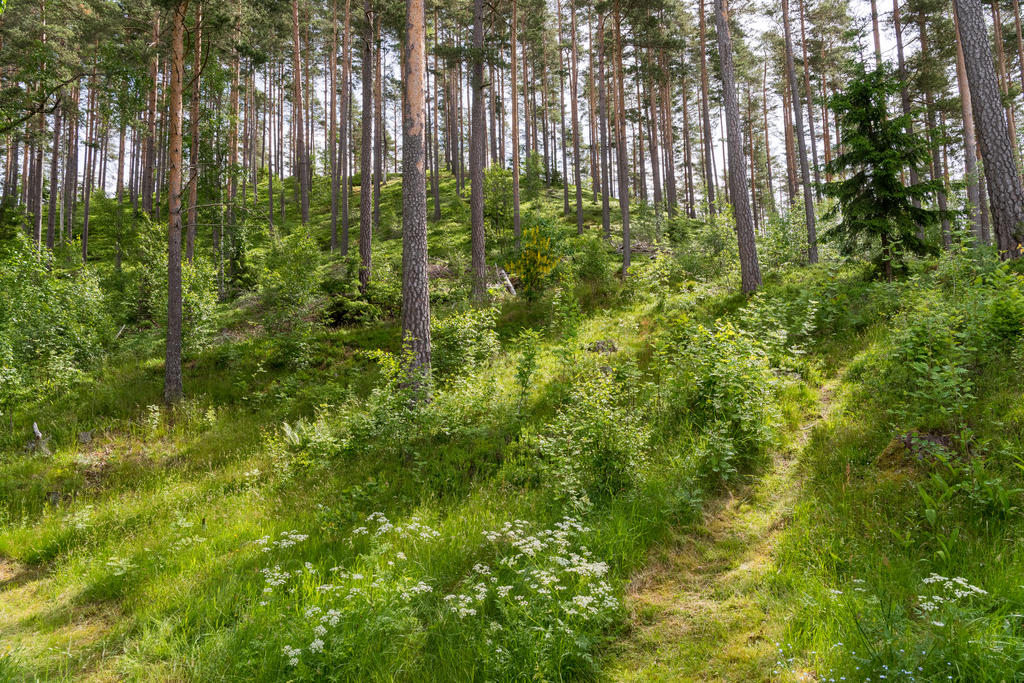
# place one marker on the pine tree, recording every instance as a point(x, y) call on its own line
point(872, 203)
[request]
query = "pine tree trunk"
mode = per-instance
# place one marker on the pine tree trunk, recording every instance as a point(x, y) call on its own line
point(345, 122)
point(51, 218)
point(366, 154)
point(652, 123)
point(970, 145)
point(904, 91)
point(172, 364)
point(477, 157)
point(691, 199)
point(1004, 81)
point(620, 141)
point(561, 115)
point(809, 94)
point(193, 153)
point(709, 171)
point(435, 173)
point(378, 117)
point(812, 237)
point(415, 286)
point(301, 158)
point(573, 94)
point(602, 116)
point(1005, 194)
point(936, 169)
point(516, 227)
point(149, 148)
point(332, 143)
point(750, 270)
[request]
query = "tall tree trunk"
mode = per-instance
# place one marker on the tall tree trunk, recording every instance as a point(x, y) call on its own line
point(51, 218)
point(1004, 81)
point(193, 153)
point(149, 148)
point(709, 171)
point(301, 153)
point(87, 174)
point(366, 154)
point(652, 122)
point(172, 364)
point(561, 116)
point(602, 116)
point(1005, 194)
point(346, 108)
point(979, 227)
point(517, 230)
point(573, 95)
point(378, 118)
point(332, 143)
point(691, 199)
point(595, 151)
point(809, 94)
point(936, 171)
point(750, 270)
point(620, 141)
point(435, 171)
point(478, 156)
point(904, 91)
point(415, 285)
point(812, 237)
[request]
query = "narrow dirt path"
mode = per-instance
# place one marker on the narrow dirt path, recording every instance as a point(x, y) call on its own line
point(698, 610)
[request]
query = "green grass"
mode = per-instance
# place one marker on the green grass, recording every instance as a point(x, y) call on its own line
point(143, 550)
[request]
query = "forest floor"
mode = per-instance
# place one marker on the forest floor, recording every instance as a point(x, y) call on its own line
point(699, 610)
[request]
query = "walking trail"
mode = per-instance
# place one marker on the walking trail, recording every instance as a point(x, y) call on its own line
point(699, 611)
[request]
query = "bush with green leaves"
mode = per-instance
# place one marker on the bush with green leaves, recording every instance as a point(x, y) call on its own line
point(47, 313)
point(595, 445)
point(139, 290)
point(718, 386)
point(463, 341)
point(959, 319)
point(533, 178)
point(289, 283)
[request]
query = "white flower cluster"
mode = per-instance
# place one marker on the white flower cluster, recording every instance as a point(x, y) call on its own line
point(287, 540)
point(551, 573)
point(945, 591)
point(292, 653)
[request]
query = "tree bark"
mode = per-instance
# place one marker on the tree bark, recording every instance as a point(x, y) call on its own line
point(979, 227)
point(172, 364)
point(415, 286)
point(517, 230)
point(193, 153)
point(477, 157)
point(366, 155)
point(332, 142)
point(1006, 197)
point(812, 237)
point(750, 270)
point(301, 153)
point(709, 171)
point(620, 142)
point(574, 110)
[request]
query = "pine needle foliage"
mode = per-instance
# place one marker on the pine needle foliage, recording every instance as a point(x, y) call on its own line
point(877, 210)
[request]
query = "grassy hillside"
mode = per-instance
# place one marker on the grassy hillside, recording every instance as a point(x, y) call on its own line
point(302, 516)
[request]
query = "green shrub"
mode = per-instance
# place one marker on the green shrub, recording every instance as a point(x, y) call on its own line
point(595, 445)
point(719, 385)
point(464, 340)
point(533, 177)
point(289, 284)
point(534, 263)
